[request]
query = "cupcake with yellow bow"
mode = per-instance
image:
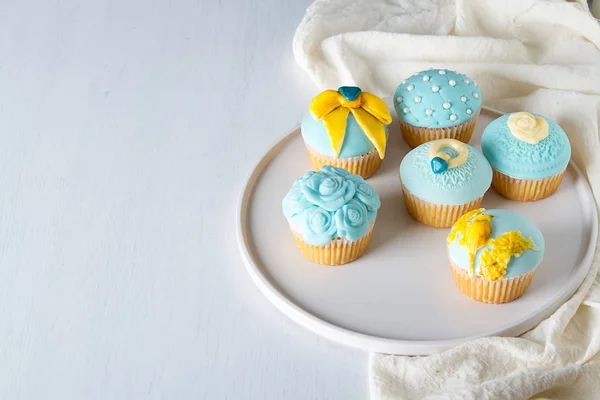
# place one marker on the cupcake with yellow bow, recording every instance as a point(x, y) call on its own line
point(442, 180)
point(494, 254)
point(529, 154)
point(346, 129)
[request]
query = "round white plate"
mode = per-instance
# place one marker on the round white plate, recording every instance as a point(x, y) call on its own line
point(399, 297)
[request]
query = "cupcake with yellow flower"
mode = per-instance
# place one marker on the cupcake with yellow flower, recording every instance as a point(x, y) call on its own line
point(494, 254)
point(346, 129)
point(331, 214)
point(529, 154)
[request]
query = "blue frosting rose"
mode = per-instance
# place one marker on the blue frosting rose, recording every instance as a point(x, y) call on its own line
point(328, 190)
point(295, 202)
point(368, 196)
point(329, 204)
point(319, 224)
point(351, 219)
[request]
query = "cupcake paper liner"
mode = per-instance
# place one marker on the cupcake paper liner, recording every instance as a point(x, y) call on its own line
point(495, 292)
point(416, 135)
point(525, 189)
point(436, 215)
point(364, 165)
point(339, 251)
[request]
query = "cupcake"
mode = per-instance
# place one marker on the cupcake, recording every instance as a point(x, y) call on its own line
point(442, 180)
point(331, 214)
point(529, 155)
point(493, 254)
point(437, 104)
point(346, 129)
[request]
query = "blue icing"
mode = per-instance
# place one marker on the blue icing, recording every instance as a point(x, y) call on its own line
point(329, 204)
point(463, 99)
point(505, 221)
point(315, 136)
point(519, 159)
point(459, 185)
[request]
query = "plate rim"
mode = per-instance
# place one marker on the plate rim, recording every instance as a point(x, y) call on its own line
point(382, 344)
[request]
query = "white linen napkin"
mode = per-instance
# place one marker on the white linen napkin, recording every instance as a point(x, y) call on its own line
point(534, 55)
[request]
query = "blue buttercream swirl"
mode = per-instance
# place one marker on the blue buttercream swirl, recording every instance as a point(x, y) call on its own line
point(330, 204)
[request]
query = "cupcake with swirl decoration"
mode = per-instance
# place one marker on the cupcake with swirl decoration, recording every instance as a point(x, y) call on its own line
point(331, 214)
point(494, 254)
point(442, 180)
point(529, 154)
point(437, 104)
point(346, 129)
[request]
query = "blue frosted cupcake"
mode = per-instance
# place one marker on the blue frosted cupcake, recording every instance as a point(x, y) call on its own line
point(331, 214)
point(442, 180)
point(346, 129)
point(529, 154)
point(493, 254)
point(437, 104)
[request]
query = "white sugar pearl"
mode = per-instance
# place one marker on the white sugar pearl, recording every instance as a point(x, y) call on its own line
point(425, 78)
point(463, 99)
point(405, 110)
point(469, 111)
point(453, 117)
point(435, 89)
point(442, 72)
point(404, 81)
point(452, 82)
point(429, 111)
point(399, 99)
point(416, 74)
point(466, 81)
point(446, 105)
point(417, 99)
point(410, 87)
point(475, 95)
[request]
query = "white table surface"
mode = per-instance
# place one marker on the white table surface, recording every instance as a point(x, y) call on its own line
point(127, 129)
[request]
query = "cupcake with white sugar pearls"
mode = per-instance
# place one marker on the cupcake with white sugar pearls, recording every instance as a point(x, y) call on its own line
point(437, 104)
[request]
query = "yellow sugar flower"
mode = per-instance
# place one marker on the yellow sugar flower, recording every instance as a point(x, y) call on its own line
point(494, 261)
point(475, 230)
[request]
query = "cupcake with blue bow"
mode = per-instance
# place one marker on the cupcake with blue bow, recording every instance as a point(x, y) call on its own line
point(529, 154)
point(346, 129)
point(442, 180)
point(437, 104)
point(331, 214)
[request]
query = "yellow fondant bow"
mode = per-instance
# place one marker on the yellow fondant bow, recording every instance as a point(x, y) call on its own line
point(370, 112)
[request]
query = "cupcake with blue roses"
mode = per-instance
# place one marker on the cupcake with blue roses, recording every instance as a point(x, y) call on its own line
point(331, 214)
point(437, 104)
